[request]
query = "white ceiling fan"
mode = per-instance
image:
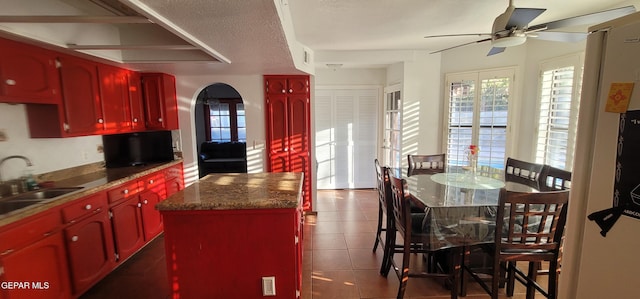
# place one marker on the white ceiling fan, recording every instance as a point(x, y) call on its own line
point(511, 28)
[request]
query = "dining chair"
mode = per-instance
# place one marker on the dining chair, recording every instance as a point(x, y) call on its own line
point(409, 227)
point(426, 164)
point(552, 178)
point(529, 228)
point(526, 173)
point(384, 221)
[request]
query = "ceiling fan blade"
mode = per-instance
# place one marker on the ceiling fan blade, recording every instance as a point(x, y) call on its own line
point(495, 50)
point(556, 36)
point(590, 19)
point(463, 34)
point(469, 43)
point(521, 17)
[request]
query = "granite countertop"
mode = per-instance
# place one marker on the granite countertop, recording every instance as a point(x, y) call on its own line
point(91, 181)
point(236, 191)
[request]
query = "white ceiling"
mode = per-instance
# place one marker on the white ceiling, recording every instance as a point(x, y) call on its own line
point(259, 36)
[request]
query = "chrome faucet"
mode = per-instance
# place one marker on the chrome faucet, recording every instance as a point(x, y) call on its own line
point(14, 157)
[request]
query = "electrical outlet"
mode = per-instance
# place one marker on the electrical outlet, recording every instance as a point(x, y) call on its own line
point(269, 286)
point(3, 135)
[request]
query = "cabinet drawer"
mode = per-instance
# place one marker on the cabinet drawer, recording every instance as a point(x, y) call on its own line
point(123, 191)
point(152, 180)
point(83, 207)
point(29, 231)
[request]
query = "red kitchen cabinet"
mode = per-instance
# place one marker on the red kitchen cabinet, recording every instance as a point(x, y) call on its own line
point(89, 241)
point(174, 180)
point(135, 102)
point(159, 96)
point(82, 104)
point(28, 74)
point(34, 244)
point(126, 222)
point(288, 128)
point(114, 95)
point(154, 192)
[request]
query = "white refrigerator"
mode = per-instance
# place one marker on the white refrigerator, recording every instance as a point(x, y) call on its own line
point(602, 245)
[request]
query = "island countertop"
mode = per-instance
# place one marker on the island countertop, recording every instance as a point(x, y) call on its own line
point(230, 191)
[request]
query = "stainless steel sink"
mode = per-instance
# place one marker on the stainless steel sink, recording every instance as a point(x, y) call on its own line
point(48, 193)
point(31, 198)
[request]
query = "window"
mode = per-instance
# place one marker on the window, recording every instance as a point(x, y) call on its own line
point(226, 120)
point(559, 96)
point(477, 113)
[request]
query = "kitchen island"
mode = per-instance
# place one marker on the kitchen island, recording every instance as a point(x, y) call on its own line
point(230, 235)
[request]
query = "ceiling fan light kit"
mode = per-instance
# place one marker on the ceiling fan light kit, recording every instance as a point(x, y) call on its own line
point(511, 28)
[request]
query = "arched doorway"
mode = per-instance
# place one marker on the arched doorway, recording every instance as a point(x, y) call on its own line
point(220, 130)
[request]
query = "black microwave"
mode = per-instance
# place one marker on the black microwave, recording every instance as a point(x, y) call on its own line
point(140, 148)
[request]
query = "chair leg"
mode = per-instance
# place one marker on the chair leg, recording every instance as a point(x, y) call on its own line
point(511, 277)
point(532, 275)
point(552, 288)
point(379, 231)
point(495, 279)
point(389, 248)
point(404, 277)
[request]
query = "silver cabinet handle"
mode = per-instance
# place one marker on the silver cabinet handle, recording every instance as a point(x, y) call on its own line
point(74, 239)
point(160, 119)
point(87, 207)
point(284, 91)
point(150, 181)
point(146, 201)
point(125, 191)
point(135, 120)
point(139, 205)
point(290, 90)
point(10, 82)
point(100, 120)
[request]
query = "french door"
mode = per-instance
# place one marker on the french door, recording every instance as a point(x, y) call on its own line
point(392, 143)
point(477, 107)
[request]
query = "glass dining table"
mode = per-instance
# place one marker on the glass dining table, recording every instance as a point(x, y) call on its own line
point(460, 206)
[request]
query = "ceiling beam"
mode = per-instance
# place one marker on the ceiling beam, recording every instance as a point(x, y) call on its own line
point(75, 19)
point(131, 47)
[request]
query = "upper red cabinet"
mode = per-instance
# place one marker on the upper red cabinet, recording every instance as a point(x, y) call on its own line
point(135, 102)
point(114, 95)
point(28, 74)
point(287, 85)
point(159, 96)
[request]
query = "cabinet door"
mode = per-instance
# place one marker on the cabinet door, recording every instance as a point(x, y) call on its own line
point(28, 74)
point(154, 192)
point(114, 95)
point(276, 85)
point(82, 106)
point(42, 265)
point(277, 133)
point(127, 227)
point(298, 85)
point(135, 102)
point(159, 95)
point(91, 252)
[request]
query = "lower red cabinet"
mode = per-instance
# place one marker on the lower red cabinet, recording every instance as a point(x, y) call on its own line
point(91, 252)
point(153, 193)
point(41, 266)
point(127, 227)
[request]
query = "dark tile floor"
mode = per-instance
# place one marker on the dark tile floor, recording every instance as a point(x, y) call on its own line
point(338, 261)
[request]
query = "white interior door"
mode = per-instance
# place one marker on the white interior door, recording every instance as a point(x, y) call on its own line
point(346, 124)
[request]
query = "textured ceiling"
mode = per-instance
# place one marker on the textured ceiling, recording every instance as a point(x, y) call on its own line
point(250, 37)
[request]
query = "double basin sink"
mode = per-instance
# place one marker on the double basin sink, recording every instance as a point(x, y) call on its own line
point(24, 200)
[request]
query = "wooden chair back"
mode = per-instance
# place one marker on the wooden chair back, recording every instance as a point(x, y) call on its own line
point(383, 185)
point(552, 178)
point(529, 226)
point(523, 172)
point(400, 202)
point(426, 164)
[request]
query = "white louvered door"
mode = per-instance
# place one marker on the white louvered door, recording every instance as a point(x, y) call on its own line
point(346, 138)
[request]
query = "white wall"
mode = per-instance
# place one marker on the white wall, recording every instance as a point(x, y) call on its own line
point(251, 91)
point(47, 154)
